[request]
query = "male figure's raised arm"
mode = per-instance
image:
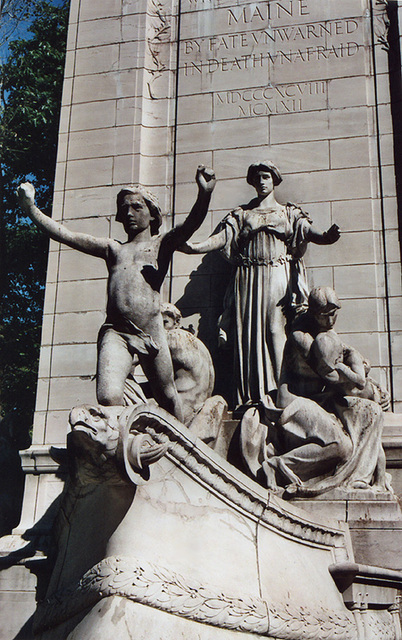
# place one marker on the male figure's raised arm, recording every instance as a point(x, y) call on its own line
point(206, 181)
point(81, 241)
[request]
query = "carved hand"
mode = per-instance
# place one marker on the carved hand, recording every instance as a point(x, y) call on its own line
point(205, 179)
point(346, 374)
point(332, 235)
point(26, 195)
point(385, 400)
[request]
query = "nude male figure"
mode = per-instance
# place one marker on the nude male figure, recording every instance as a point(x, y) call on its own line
point(136, 269)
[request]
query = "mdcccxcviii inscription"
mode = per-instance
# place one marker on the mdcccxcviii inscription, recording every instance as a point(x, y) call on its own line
point(268, 100)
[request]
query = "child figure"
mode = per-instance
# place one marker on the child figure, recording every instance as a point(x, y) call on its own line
point(345, 369)
point(318, 361)
point(136, 269)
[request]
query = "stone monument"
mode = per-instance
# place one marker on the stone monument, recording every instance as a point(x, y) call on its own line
point(137, 523)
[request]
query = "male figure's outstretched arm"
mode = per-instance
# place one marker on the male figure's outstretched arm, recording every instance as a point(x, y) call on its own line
point(82, 241)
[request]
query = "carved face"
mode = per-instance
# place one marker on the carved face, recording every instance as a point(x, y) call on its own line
point(168, 321)
point(326, 320)
point(135, 214)
point(98, 424)
point(263, 183)
point(171, 316)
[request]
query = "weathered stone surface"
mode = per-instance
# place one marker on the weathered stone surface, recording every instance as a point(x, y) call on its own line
point(265, 241)
point(136, 268)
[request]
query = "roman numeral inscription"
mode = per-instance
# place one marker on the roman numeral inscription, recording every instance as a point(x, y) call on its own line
point(269, 100)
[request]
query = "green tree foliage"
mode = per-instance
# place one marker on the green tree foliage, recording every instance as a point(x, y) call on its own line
point(31, 84)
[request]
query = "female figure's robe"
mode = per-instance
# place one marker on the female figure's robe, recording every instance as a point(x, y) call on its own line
point(266, 249)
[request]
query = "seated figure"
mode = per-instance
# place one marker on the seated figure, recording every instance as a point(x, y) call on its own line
point(194, 378)
point(194, 374)
point(326, 429)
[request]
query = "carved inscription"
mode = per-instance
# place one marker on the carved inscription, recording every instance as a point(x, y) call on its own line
point(270, 46)
point(311, 40)
point(251, 43)
point(260, 101)
point(271, 8)
point(265, 60)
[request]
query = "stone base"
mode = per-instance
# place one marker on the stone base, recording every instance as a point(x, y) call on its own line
point(24, 575)
point(199, 550)
point(24, 568)
point(117, 617)
point(114, 616)
point(17, 603)
point(392, 443)
point(375, 523)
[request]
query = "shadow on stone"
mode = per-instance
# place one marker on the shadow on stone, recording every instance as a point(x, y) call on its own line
point(12, 439)
point(204, 295)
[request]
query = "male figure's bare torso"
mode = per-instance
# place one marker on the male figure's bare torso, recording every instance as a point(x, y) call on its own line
point(134, 282)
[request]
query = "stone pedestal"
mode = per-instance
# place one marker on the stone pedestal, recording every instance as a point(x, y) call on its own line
point(374, 520)
point(200, 542)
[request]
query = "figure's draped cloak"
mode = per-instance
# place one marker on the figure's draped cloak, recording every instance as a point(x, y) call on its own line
point(267, 249)
point(355, 424)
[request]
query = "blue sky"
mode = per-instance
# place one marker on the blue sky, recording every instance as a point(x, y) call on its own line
point(20, 31)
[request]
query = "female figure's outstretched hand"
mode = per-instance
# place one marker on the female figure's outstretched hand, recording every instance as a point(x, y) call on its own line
point(324, 237)
point(333, 234)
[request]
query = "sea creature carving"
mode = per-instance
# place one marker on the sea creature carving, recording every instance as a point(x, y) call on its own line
point(102, 445)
